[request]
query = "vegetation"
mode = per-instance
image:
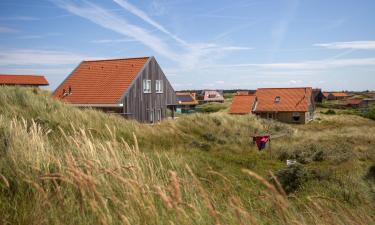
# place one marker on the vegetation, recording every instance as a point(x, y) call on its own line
point(63, 165)
point(211, 107)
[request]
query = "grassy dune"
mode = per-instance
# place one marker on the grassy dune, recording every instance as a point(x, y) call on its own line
point(62, 165)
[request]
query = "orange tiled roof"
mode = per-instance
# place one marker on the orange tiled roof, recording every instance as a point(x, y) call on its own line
point(189, 96)
point(242, 104)
point(291, 99)
point(339, 94)
point(100, 81)
point(352, 101)
point(22, 79)
point(326, 94)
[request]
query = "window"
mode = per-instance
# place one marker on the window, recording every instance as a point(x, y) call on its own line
point(296, 116)
point(151, 115)
point(159, 86)
point(158, 115)
point(146, 86)
point(277, 99)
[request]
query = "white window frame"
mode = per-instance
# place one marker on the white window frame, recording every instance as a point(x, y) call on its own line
point(151, 115)
point(159, 86)
point(146, 86)
point(158, 115)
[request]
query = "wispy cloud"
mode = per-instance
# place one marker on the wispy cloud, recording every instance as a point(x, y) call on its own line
point(117, 24)
point(308, 65)
point(187, 55)
point(18, 18)
point(38, 57)
point(8, 30)
point(348, 45)
point(141, 14)
point(110, 41)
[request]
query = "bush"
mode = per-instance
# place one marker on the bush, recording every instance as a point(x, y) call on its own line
point(318, 156)
point(371, 173)
point(330, 112)
point(210, 107)
point(292, 177)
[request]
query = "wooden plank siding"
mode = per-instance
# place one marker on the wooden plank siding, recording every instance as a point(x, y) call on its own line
point(138, 105)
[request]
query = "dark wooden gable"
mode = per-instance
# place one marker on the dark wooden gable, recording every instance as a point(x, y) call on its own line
point(145, 106)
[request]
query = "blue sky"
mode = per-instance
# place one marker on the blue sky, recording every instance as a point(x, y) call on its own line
point(199, 44)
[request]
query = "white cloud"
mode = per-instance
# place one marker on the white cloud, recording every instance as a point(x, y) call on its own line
point(308, 65)
point(8, 30)
point(38, 57)
point(109, 41)
point(348, 45)
point(119, 25)
point(220, 82)
point(188, 56)
point(141, 14)
point(19, 18)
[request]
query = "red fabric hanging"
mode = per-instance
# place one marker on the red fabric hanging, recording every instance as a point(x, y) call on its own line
point(261, 141)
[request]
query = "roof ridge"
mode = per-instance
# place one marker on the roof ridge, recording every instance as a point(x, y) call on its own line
point(24, 75)
point(115, 59)
point(286, 88)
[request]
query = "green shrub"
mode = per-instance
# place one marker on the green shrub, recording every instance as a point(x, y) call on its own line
point(210, 107)
point(292, 177)
point(330, 112)
point(371, 173)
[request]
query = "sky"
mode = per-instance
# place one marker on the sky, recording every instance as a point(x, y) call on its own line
point(199, 44)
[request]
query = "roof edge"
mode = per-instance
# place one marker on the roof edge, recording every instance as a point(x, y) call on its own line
point(136, 77)
point(98, 60)
point(71, 73)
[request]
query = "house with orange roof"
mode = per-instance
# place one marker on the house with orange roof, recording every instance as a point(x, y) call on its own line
point(135, 88)
point(242, 103)
point(290, 105)
point(337, 95)
point(23, 80)
point(186, 102)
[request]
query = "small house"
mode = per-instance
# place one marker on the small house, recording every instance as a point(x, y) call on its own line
point(290, 105)
point(213, 96)
point(185, 102)
point(337, 95)
point(135, 88)
point(242, 103)
point(353, 103)
point(23, 80)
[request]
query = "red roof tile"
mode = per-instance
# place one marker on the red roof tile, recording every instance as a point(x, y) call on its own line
point(290, 99)
point(100, 81)
point(339, 94)
point(242, 104)
point(352, 101)
point(22, 79)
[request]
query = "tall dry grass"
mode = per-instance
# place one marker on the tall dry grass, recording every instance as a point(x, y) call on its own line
point(89, 181)
point(61, 165)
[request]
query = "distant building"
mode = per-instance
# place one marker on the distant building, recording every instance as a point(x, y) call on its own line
point(353, 103)
point(23, 80)
point(135, 88)
point(213, 96)
point(337, 95)
point(185, 102)
point(242, 103)
point(291, 105)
